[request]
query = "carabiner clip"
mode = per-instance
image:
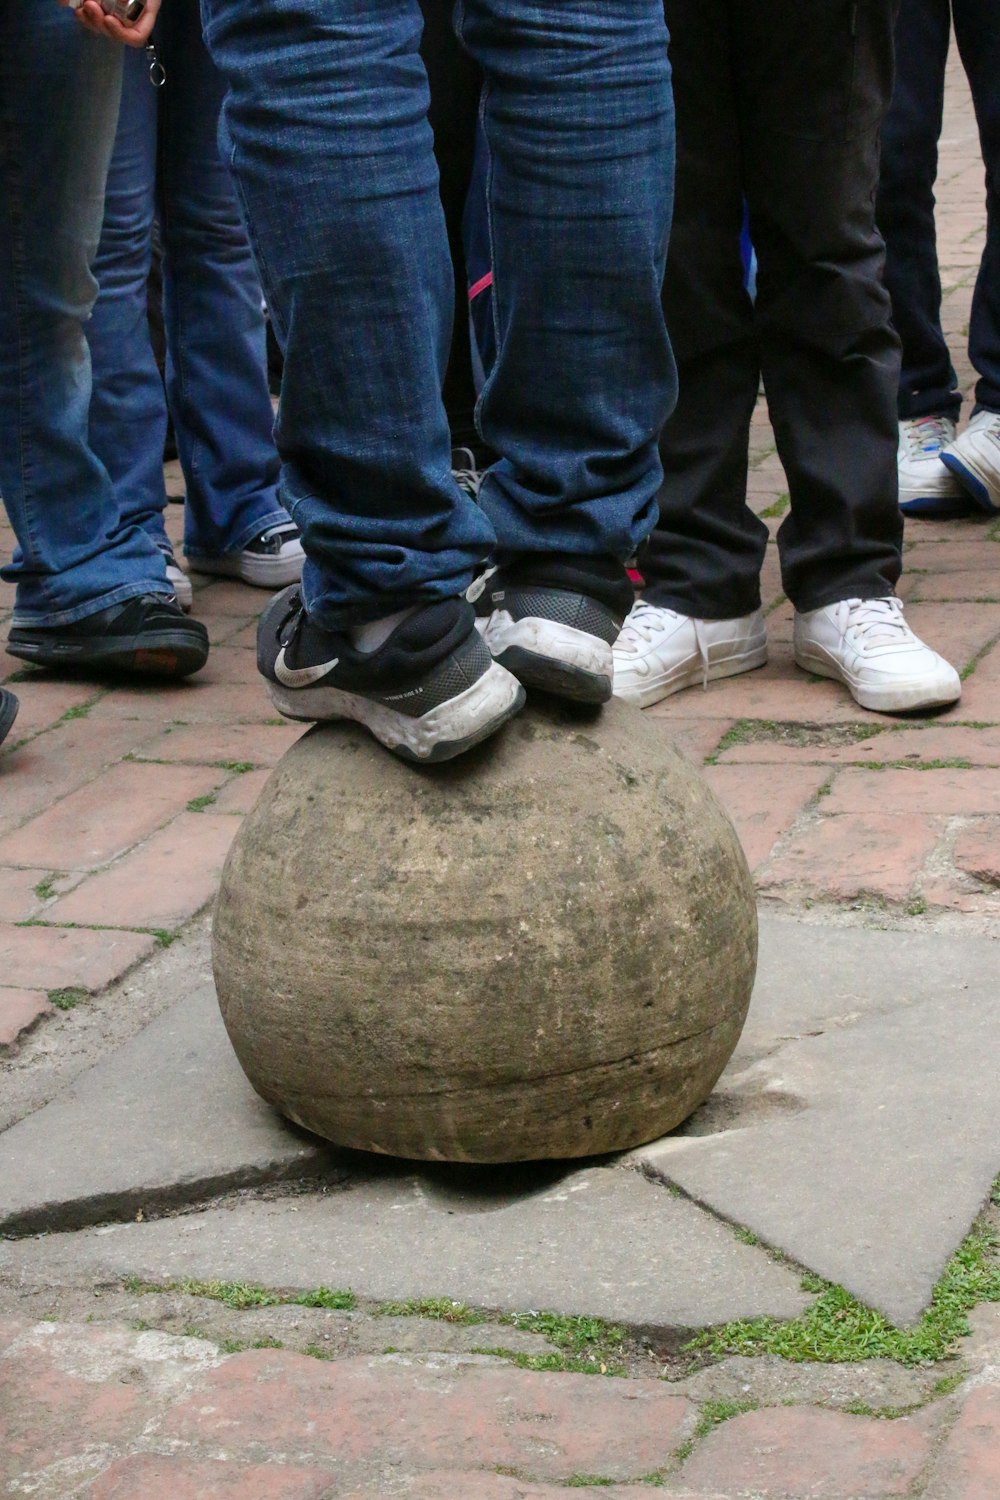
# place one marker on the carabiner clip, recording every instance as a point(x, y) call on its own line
point(157, 72)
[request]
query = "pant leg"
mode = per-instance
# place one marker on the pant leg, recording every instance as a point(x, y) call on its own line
point(128, 407)
point(905, 208)
point(216, 369)
point(59, 93)
point(977, 29)
point(333, 155)
point(579, 125)
point(705, 554)
point(455, 85)
point(814, 85)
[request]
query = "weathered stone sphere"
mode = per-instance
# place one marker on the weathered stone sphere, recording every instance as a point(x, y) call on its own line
point(543, 949)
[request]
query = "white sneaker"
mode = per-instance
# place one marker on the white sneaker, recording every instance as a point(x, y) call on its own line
point(270, 561)
point(660, 651)
point(179, 582)
point(867, 644)
point(974, 460)
point(926, 488)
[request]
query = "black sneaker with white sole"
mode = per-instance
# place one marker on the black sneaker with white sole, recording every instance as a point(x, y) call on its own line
point(430, 691)
point(268, 561)
point(553, 619)
point(148, 636)
point(8, 713)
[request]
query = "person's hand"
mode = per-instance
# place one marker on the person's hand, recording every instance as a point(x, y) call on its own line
point(93, 16)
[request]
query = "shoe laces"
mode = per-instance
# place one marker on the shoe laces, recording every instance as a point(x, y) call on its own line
point(469, 480)
point(477, 587)
point(926, 436)
point(294, 614)
point(646, 621)
point(877, 621)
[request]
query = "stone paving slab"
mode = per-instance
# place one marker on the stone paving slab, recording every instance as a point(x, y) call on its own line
point(858, 1126)
point(603, 1242)
point(168, 1116)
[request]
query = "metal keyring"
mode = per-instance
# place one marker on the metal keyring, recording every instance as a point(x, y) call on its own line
point(157, 72)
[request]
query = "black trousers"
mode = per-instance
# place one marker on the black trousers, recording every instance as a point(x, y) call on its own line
point(779, 103)
point(906, 200)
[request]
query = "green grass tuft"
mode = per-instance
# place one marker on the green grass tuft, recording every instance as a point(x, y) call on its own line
point(68, 999)
point(838, 1328)
point(323, 1296)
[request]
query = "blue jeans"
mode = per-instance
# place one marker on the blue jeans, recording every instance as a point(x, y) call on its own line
point(906, 200)
point(58, 104)
point(166, 158)
point(331, 148)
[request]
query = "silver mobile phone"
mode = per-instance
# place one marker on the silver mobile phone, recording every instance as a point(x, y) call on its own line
point(126, 11)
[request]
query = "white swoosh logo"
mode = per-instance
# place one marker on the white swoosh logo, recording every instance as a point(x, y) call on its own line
point(300, 677)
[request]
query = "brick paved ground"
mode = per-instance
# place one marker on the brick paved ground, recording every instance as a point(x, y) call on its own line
point(114, 1413)
point(116, 811)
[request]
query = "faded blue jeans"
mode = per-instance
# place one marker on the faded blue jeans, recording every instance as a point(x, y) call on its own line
point(326, 124)
point(58, 105)
point(166, 156)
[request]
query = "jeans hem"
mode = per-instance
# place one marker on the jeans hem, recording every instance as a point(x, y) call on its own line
point(251, 530)
point(32, 620)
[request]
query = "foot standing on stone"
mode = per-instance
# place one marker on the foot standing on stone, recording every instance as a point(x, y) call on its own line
point(941, 473)
point(779, 104)
point(359, 281)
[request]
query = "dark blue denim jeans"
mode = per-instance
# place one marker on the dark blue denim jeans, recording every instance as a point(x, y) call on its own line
point(331, 148)
point(58, 105)
point(906, 200)
point(166, 159)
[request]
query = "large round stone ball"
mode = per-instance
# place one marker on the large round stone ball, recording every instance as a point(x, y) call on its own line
point(542, 949)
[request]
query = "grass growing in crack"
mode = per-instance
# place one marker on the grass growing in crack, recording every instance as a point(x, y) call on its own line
point(587, 1481)
point(442, 1309)
point(777, 509)
point(67, 999)
point(238, 767)
point(586, 1346)
point(199, 804)
point(746, 1237)
point(238, 1295)
point(714, 1413)
point(46, 887)
point(838, 1328)
point(325, 1296)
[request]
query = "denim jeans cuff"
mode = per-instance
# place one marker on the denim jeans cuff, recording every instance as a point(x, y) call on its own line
point(33, 618)
point(251, 529)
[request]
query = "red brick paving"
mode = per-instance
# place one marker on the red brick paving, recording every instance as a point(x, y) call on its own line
point(20, 1010)
point(114, 1414)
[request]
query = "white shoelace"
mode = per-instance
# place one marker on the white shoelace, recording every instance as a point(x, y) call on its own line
point(926, 436)
point(646, 621)
point(877, 621)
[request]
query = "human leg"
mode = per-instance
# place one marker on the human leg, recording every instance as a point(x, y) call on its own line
point(91, 588)
point(216, 378)
point(577, 112)
point(975, 457)
point(333, 156)
point(699, 616)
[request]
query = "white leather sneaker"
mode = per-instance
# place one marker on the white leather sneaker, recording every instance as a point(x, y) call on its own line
point(661, 651)
point(926, 488)
point(974, 460)
point(867, 644)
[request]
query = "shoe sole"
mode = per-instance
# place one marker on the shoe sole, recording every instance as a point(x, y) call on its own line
point(446, 731)
point(733, 665)
point(936, 507)
point(258, 572)
point(898, 699)
point(551, 657)
point(172, 655)
point(974, 482)
point(8, 713)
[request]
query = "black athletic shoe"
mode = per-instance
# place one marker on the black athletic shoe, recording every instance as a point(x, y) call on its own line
point(429, 692)
point(148, 636)
point(552, 621)
point(8, 713)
